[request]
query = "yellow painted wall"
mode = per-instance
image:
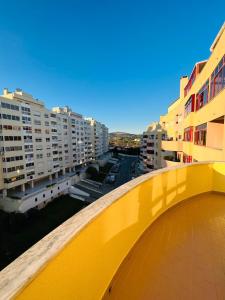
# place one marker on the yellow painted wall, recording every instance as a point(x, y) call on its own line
point(172, 145)
point(85, 267)
point(215, 132)
point(212, 110)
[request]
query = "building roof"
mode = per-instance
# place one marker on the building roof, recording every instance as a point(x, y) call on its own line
point(217, 37)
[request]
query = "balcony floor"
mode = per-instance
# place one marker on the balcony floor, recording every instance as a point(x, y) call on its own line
point(181, 256)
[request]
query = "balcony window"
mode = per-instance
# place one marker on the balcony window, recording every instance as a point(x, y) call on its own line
point(202, 96)
point(10, 180)
point(188, 134)
point(189, 106)
point(150, 151)
point(150, 144)
point(190, 82)
point(187, 158)
point(217, 79)
point(200, 134)
point(150, 166)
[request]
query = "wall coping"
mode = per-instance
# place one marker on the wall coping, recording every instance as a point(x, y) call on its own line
point(21, 271)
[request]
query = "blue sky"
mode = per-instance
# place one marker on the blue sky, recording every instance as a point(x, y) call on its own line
point(116, 60)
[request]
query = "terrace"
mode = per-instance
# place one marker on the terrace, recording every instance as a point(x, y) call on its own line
point(160, 236)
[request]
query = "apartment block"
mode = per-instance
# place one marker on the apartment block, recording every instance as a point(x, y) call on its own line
point(99, 137)
point(150, 154)
point(194, 123)
point(42, 150)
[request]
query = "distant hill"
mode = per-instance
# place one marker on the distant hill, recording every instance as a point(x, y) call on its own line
point(120, 133)
point(124, 139)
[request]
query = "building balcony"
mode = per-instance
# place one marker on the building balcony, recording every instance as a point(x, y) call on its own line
point(172, 145)
point(167, 161)
point(160, 236)
point(204, 153)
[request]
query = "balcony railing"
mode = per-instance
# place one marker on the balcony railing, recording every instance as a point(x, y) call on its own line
point(79, 259)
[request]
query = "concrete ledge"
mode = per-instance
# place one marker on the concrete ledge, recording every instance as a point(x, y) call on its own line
point(23, 270)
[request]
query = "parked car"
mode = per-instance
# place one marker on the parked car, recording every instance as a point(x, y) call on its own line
point(111, 178)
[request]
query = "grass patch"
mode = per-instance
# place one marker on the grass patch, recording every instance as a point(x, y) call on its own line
point(18, 232)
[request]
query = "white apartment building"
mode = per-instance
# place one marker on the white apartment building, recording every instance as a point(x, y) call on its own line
point(99, 137)
point(41, 150)
point(150, 154)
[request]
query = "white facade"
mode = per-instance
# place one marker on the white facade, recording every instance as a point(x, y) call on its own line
point(99, 137)
point(38, 145)
point(151, 147)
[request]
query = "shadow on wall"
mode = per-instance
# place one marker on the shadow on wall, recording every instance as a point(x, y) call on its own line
point(94, 254)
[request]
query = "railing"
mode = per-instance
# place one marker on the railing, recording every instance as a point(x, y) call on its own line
point(29, 150)
point(79, 259)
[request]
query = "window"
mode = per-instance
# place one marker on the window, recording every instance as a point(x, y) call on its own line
point(27, 129)
point(150, 166)
point(9, 106)
point(190, 82)
point(13, 169)
point(13, 148)
point(37, 114)
point(200, 134)
point(38, 140)
point(150, 144)
point(150, 151)
point(189, 106)
point(25, 110)
point(37, 122)
point(10, 180)
point(12, 138)
point(217, 79)
point(187, 158)
point(28, 148)
point(202, 96)
point(27, 138)
point(28, 165)
point(26, 120)
point(37, 130)
point(29, 156)
point(188, 134)
point(10, 117)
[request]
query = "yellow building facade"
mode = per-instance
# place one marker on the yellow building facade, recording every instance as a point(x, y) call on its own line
point(194, 123)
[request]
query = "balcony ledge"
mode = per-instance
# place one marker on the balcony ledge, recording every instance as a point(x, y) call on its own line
point(21, 273)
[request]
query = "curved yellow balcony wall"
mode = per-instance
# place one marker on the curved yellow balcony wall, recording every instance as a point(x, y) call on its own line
point(79, 259)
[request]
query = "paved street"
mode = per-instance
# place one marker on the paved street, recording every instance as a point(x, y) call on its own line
point(125, 173)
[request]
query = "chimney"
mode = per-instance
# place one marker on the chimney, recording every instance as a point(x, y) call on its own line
point(5, 91)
